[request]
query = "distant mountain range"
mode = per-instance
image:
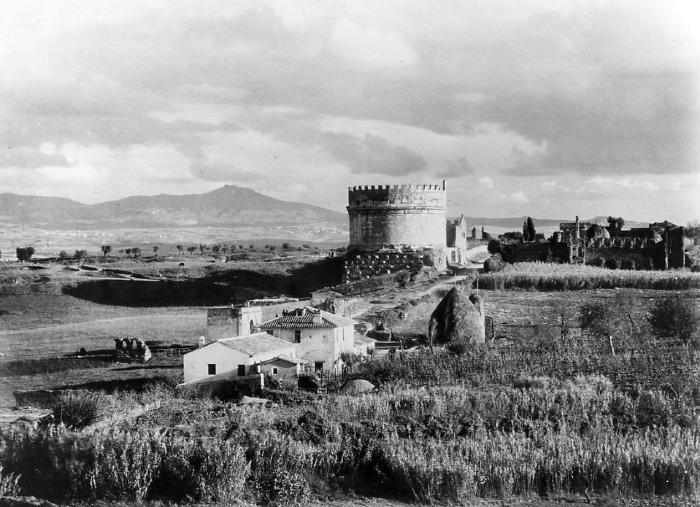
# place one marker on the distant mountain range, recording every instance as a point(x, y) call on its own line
point(228, 206)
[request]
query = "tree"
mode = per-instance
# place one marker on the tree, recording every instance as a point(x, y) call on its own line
point(179, 249)
point(136, 251)
point(674, 316)
point(612, 319)
point(63, 255)
point(191, 249)
point(615, 224)
point(530, 230)
point(494, 246)
point(106, 249)
point(155, 250)
point(80, 254)
point(202, 248)
point(215, 248)
point(128, 252)
point(24, 253)
point(285, 246)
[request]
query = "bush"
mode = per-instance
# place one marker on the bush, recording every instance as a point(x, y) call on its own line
point(493, 264)
point(494, 246)
point(674, 316)
point(277, 464)
point(8, 484)
point(206, 471)
point(77, 410)
point(596, 261)
point(613, 264)
point(117, 466)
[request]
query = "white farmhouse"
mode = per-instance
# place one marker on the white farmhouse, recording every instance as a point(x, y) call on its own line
point(249, 354)
point(319, 337)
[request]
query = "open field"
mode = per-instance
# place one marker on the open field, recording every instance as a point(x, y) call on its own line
point(544, 414)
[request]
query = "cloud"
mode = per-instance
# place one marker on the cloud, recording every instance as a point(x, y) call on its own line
point(524, 92)
point(375, 155)
point(486, 182)
point(456, 168)
point(518, 197)
point(371, 48)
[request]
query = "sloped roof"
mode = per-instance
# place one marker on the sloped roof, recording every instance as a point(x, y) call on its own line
point(257, 343)
point(285, 362)
point(361, 339)
point(303, 318)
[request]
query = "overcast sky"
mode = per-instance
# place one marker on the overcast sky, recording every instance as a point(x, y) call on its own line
point(541, 108)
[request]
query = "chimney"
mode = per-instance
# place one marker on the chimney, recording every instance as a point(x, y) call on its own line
point(316, 317)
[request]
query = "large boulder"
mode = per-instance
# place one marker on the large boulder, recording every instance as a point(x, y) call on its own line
point(458, 318)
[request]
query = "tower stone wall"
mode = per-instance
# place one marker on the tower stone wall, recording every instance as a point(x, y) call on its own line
point(399, 215)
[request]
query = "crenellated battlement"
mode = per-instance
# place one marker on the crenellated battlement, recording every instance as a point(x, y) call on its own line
point(362, 188)
point(397, 196)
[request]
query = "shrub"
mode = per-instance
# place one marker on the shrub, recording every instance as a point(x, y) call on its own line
point(596, 261)
point(9, 484)
point(613, 263)
point(77, 409)
point(277, 464)
point(206, 471)
point(118, 466)
point(494, 246)
point(674, 316)
point(494, 264)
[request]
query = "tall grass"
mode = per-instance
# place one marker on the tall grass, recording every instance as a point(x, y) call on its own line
point(553, 277)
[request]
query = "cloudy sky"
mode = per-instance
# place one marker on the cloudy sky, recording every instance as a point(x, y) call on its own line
point(543, 108)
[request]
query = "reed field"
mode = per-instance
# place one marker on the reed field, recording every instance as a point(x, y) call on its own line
point(555, 277)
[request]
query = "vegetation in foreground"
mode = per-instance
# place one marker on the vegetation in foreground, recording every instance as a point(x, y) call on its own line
point(527, 422)
point(547, 276)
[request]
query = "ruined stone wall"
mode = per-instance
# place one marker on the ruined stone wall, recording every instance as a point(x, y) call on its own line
point(639, 252)
point(360, 266)
point(412, 215)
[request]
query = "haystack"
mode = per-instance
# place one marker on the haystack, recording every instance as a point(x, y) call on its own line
point(457, 319)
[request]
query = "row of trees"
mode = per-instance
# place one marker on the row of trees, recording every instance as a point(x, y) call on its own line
point(26, 253)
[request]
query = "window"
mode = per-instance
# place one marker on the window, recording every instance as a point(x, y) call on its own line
point(297, 336)
point(324, 339)
point(318, 366)
point(274, 370)
point(241, 370)
point(211, 369)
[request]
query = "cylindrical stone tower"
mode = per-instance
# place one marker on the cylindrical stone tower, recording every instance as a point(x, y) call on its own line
point(398, 215)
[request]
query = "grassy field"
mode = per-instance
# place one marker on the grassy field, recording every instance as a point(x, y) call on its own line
point(544, 276)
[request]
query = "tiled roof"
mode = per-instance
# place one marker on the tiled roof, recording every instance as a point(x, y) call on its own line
point(306, 318)
point(257, 343)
